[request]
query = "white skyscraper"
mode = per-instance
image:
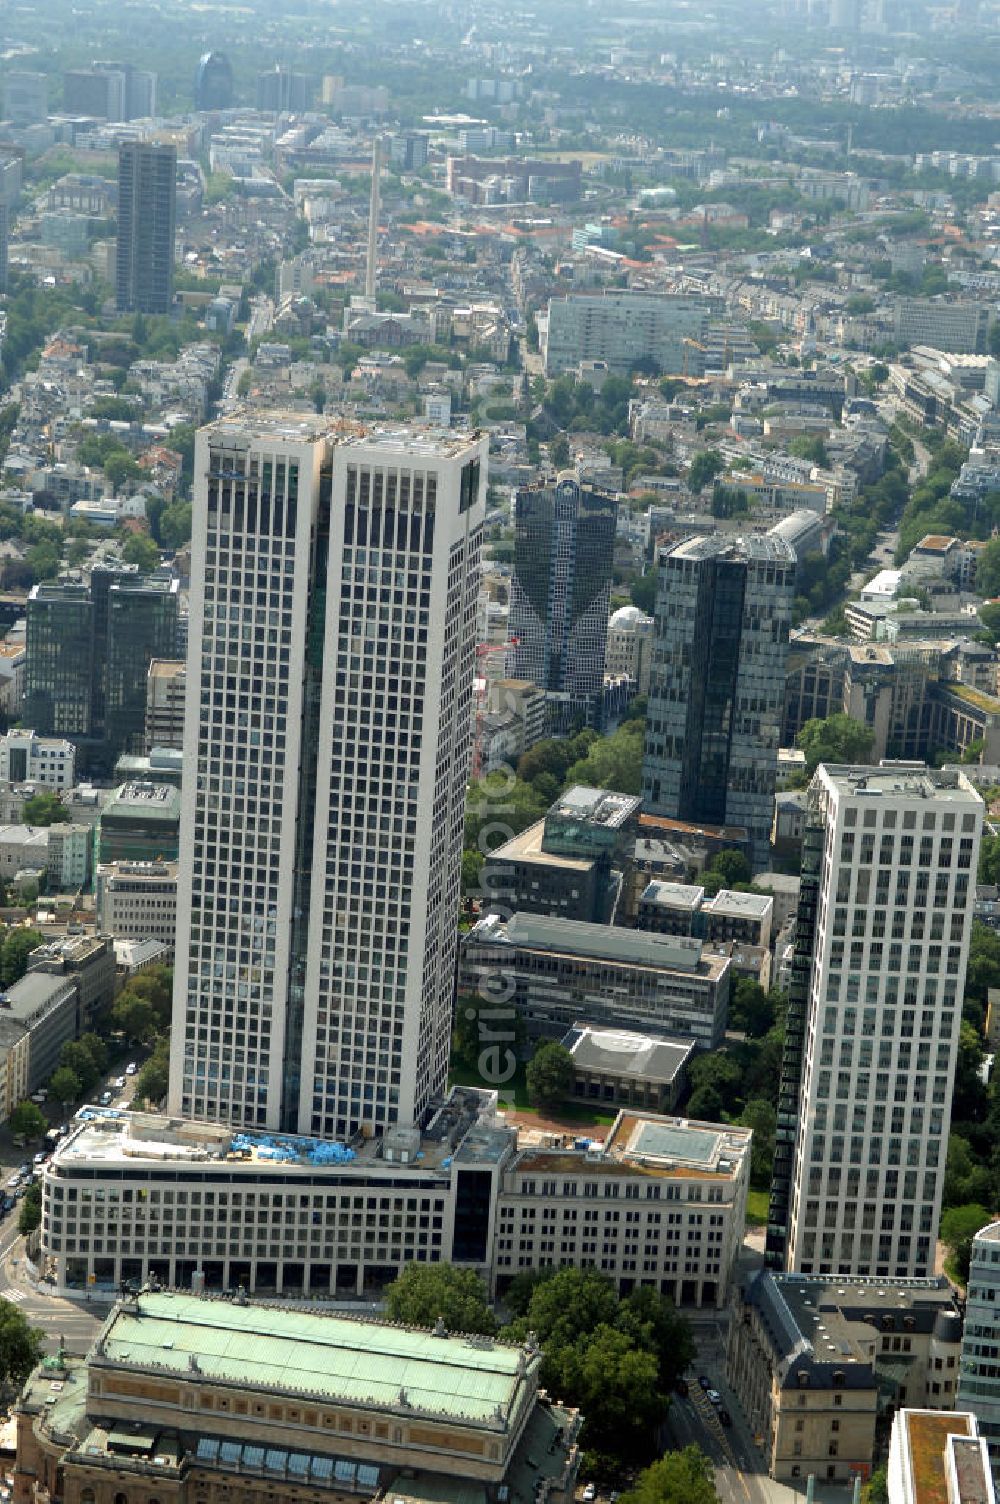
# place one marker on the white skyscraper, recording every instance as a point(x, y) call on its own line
point(326, 748)
point(873, 1037)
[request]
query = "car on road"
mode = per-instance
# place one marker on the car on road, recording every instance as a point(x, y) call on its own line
point(131, 1068)
point(705, 1383)
point(715, 1398)
point(725, 1419)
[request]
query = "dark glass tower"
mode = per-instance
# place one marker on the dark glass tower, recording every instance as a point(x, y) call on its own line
point(563, 556)
point(60, 656)
point(213, 82)
point(88, 654)
point(147, 199)
point(717, 683)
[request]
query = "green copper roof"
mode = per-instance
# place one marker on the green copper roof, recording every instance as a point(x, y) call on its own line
point(331, 1357)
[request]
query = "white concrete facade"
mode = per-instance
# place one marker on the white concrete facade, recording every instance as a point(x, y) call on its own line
point(884, 1013)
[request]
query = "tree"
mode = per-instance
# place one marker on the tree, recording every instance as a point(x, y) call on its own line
point(21, 1345)
point(762, 1118)
point(677, 1478)
point(152, 1081)
point(64, 1086)
point(655, 1323)
point(498, 808)
point(704, 468)
point(550, 1074)
point(175, 524)
point(97, 1050)
point(30, 1215)
point(876, 1490)
point(44, 809)
point(613, 762)
point(139, 549)
point(27, 1120)
point(75, 1056)
point(135, 1017)
point(616, 1385)
point(751, 1008)
point(17, 947)
point(837, 739)
point(559, 451)
point(425, 1292)
point(959, 1226)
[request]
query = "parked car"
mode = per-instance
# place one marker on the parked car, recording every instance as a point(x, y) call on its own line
point(725, 1419)
point(715, 1397)
point(590, 1493)
point(106, 1099)
point(705, 1383)
point(119, 1083)
point(131, 1068)
point(41, 1157)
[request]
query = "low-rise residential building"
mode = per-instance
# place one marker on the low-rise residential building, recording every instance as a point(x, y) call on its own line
point(556, 971)
point(819, 1363)
point(661, 1203)
point(185, 1397)
point(935, 1457)
point(137, 900)
point(979, 1367)
point(26, 757)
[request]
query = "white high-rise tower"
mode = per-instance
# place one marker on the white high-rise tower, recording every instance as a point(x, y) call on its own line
point(326, 753)
point(881, 951)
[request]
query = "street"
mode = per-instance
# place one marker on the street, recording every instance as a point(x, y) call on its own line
point(68, 1323)
point(740, 1468)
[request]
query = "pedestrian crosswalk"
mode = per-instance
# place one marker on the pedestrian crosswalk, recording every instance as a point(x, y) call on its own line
point(15, 1295)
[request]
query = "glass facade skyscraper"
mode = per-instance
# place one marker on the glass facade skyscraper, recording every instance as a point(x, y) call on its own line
point(560, 591)
point(89, 647)
point(717, 681)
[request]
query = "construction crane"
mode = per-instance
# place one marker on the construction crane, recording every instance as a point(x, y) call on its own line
point(483, 650)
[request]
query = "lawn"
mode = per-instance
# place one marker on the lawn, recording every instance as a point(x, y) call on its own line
point(514, 1098)
point(757, 1208)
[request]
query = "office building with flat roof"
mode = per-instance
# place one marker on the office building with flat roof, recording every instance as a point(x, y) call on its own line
point(137, 900)
point(557, 971)
point(166, 683)
point(717, 683)
point(934, 1457)
point(875, 1008)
